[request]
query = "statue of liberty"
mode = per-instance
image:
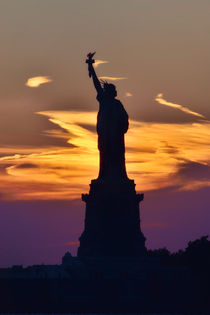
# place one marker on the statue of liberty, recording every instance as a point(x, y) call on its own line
point(112, 221)
point(112, 124)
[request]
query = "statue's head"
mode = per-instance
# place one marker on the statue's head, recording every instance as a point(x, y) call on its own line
point(109, 90)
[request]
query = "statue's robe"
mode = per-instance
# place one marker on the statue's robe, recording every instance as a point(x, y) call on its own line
point(112, 124)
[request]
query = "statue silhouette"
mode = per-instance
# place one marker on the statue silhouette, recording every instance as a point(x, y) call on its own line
point(112, 124)
point(112, 220)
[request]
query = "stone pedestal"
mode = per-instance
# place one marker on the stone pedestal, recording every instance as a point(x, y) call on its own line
point(112, 221)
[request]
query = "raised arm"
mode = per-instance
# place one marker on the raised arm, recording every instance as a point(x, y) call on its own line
point(92, 73)
point(96, 81)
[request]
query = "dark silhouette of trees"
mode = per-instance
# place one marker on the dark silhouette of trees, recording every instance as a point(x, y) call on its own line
point(162, 254)
point(196, 255)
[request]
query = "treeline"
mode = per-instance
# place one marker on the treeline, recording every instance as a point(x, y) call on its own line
point(196, 256)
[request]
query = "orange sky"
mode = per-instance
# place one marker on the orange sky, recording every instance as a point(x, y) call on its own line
point(156, 155)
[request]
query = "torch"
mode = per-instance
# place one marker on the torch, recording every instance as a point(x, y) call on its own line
point(90, 61)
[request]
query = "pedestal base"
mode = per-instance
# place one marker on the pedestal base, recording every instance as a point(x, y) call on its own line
point(112, 222)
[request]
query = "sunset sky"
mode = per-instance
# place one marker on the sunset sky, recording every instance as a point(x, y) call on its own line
point(157, 53)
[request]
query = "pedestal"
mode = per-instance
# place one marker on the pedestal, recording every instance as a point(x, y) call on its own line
point(112, 221)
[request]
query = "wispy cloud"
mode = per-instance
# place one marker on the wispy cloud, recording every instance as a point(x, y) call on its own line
point(128, 94)
point(112, 78)
point(159, 98)
point(99, 62)
point(37, 81)
point(64, 172)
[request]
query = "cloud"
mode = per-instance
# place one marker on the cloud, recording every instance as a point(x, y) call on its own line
point(158, 156)
point(27, 132)
point(159, 98)
point(170, 149)
point(192, 175)
point(89, 127)
point(13, 157)
point(99, 62)
point(3, 169)
point(112, 78)
point(144, 149)
point(194, 170)
point(37, 81)
point(26, 166)
point(128, 94)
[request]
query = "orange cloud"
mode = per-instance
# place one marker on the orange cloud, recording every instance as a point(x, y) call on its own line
point(159, 98)
point(99, 62)
point(37, 81)
point(112, 78)
point(155, 154)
